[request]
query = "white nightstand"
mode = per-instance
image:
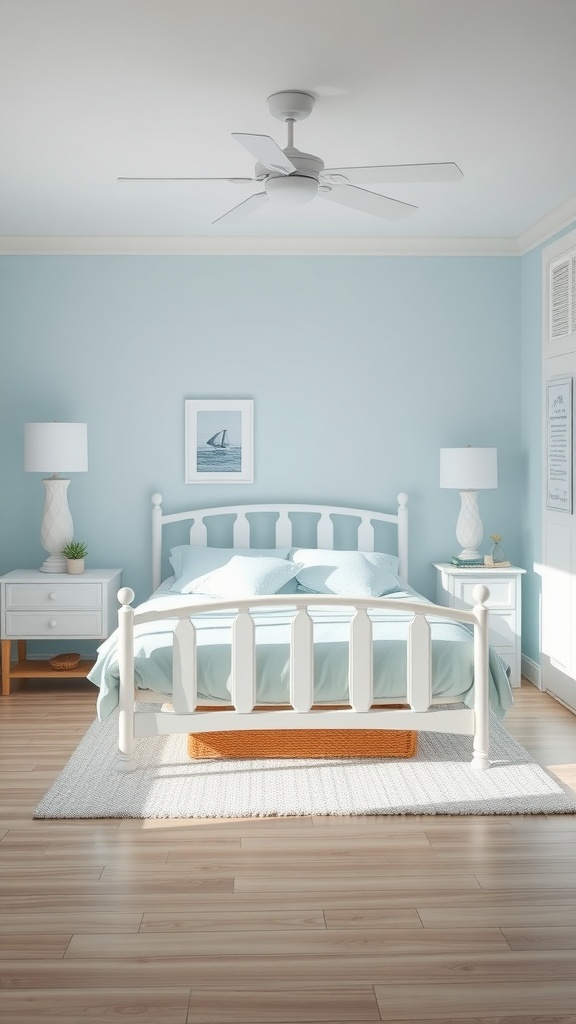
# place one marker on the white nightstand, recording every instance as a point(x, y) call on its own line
point(454, 588)
point(37, 605)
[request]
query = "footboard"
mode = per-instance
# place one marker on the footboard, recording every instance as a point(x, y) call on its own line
point(361, 713)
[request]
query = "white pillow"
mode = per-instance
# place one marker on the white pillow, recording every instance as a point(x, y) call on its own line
point(191, 561)
point(244, 577)
point(346, 573)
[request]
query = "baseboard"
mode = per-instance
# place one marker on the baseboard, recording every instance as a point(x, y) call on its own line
point(531, 671)
point(562, 702)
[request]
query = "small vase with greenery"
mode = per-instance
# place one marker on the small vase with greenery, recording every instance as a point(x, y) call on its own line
point(75, 552)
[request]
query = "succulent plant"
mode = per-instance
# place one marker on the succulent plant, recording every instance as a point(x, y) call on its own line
point(75, 549)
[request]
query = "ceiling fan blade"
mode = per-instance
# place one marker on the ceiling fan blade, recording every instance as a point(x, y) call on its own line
point(368, 202)
point(392, 172)
point(244, 209)
point(266, 151)
point(236, 181)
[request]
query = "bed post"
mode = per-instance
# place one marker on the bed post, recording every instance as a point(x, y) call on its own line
point(126, 762)
point(403, 536)
point(480, 757)
point(156, 540)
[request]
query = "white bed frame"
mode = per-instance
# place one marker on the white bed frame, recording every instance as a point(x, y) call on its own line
point(188, 717)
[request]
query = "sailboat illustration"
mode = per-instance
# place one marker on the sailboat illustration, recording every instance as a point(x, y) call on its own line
point(219, 439)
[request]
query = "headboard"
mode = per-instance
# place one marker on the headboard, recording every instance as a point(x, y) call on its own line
point(324, 518)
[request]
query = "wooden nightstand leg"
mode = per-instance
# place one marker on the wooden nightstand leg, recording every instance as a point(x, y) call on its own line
point(6, 651)
point(21, 650)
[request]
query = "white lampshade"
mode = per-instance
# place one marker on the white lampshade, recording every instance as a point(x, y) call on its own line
point(55, 448)
point(468, 469)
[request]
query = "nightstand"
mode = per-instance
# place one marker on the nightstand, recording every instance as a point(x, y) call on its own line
point(37, 605)
point(454, 588)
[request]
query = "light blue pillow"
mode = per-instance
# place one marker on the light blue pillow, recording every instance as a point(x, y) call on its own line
point(191, 561)
point(244, 577)
point(291, 587)
point(346, 573)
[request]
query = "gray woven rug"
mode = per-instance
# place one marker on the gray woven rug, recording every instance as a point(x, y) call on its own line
point(167, 784)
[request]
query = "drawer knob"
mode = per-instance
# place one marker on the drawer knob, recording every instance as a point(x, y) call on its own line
point(53, 596)
point(53, 623)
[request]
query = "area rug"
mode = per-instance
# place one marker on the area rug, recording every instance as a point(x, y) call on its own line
point(167, 784)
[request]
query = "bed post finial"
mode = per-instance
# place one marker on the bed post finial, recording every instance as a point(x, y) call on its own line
point(403, 536)
point(125, 596)
point(480, 593)
point(156, 500)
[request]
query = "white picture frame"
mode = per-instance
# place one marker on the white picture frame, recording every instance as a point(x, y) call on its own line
point(559, 430)
point(219, 441)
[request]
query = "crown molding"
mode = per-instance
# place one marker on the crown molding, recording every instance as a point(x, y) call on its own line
point(556, 220)
point(546, 227)
point(152, 245)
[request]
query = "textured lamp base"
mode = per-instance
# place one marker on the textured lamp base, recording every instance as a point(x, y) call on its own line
point(469, 531)
point(53, 564)
point(57, 527)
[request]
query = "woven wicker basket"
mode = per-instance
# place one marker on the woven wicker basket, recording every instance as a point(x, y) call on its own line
point(321, 743)
point(63, 661)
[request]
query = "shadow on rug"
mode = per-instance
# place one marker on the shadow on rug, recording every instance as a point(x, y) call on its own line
point(167, 784)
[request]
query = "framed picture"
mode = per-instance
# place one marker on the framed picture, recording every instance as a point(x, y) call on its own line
point(559, 444)
point(219, 441)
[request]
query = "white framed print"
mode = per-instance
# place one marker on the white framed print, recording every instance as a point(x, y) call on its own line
point(559, 444)
point(219, 441)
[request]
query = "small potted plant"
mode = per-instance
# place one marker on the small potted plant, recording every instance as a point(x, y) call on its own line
point(75, 552)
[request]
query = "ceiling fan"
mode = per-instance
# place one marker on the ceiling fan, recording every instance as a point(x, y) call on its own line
point(293, 178)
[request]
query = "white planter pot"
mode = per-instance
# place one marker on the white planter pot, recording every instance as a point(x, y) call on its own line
point(74, 565)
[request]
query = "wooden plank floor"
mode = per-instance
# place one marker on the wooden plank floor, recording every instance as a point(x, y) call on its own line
point(464, 919)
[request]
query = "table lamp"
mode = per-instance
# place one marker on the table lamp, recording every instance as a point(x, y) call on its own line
point(469, 470)
point(55, 448)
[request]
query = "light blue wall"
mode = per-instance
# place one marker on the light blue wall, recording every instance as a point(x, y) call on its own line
point(361, 368)
point(531, 419)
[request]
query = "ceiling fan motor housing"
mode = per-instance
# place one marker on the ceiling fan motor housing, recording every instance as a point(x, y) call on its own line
point(297, 188)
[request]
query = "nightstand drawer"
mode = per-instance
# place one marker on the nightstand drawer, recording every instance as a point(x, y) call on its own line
point(54, 623)
point(502, 592)
point(51, 595)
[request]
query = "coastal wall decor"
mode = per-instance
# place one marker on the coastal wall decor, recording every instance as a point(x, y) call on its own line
point(559, 444)
point(219, 441)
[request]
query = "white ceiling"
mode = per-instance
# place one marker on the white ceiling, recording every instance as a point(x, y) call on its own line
point(94, 89)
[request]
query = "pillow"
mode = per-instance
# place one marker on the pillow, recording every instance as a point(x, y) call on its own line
point(292, 587)
point(190, 561)
point(346, 573)
point(244, 577)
